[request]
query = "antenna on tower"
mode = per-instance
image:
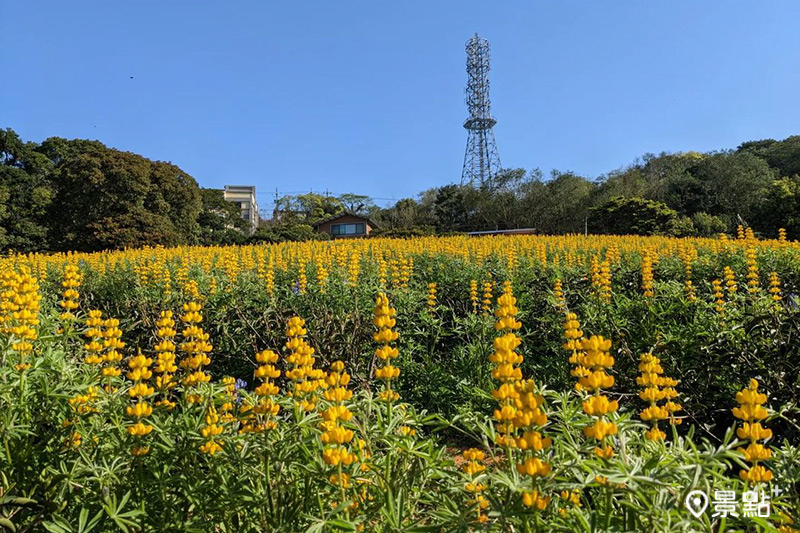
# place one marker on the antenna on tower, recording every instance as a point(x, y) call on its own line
point(481, 160)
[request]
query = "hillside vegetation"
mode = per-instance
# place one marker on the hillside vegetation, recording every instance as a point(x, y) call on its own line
point(62, 195)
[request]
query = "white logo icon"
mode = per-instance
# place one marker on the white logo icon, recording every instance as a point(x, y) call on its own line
point(696, 502)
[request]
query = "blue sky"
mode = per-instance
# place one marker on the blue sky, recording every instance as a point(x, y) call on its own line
point(368, 97)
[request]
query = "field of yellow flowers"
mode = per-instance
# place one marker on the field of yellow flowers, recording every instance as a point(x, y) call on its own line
point(526, 383)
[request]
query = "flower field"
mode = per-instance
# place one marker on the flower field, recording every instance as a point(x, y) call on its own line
point(521, 383)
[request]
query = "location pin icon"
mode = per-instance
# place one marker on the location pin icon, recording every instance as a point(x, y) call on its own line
point(696, 502)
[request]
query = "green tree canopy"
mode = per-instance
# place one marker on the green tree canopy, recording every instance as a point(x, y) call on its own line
point(782, 156)
point(625, 216)
point(26, 193)
point(80, 194)
point(306, 208)
point(780, 208)
point(357, 203)
point(219, 222)
point(106, 198)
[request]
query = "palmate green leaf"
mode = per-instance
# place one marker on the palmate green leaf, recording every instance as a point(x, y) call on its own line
point(114, 510)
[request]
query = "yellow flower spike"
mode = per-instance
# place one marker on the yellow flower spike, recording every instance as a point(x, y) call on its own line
point(775, 287)
point(592, 358)
point(431, 298)
point(751, 412)
point(195, 347)
point(473, 295)
point(519, 403)
point(473, 467)
point(306, 380)
point(384, 321)
point(647, 275)
point(657, 388)
point(335, 435)
point(71, 282)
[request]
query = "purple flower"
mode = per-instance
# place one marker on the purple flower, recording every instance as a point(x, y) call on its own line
point(238, 385)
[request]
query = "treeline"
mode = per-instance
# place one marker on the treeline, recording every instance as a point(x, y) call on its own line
point(62, 195)
point(82, 195)
point(756, 185)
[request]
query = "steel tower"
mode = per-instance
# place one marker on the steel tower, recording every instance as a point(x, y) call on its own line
point(481, 160)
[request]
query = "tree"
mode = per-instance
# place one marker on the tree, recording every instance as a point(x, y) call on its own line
point(176, 194)
point(105, 198)
point(219, 222)
point(402, 215)
point(306, 208)
point(25, 194)
point(449, 208)
point(733, 184)
point(357, 203)
point(708, 225)
point(558, 205)
point(782, 156)
point(495, 204)
point(685, 193)
point(635, 216)
point(780, 208)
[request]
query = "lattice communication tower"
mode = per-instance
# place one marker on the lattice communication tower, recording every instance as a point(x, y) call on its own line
point(481, 160)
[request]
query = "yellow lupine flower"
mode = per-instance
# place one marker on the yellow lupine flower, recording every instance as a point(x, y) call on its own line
point(139, 410)
point(139, 429)
point(750, 410)
point(535, 500)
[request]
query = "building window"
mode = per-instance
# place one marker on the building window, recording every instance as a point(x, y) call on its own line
point(348, 229)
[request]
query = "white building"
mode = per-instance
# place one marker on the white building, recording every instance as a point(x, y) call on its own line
point(244, 196)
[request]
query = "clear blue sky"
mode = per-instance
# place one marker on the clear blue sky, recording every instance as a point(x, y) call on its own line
point(368, 97)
